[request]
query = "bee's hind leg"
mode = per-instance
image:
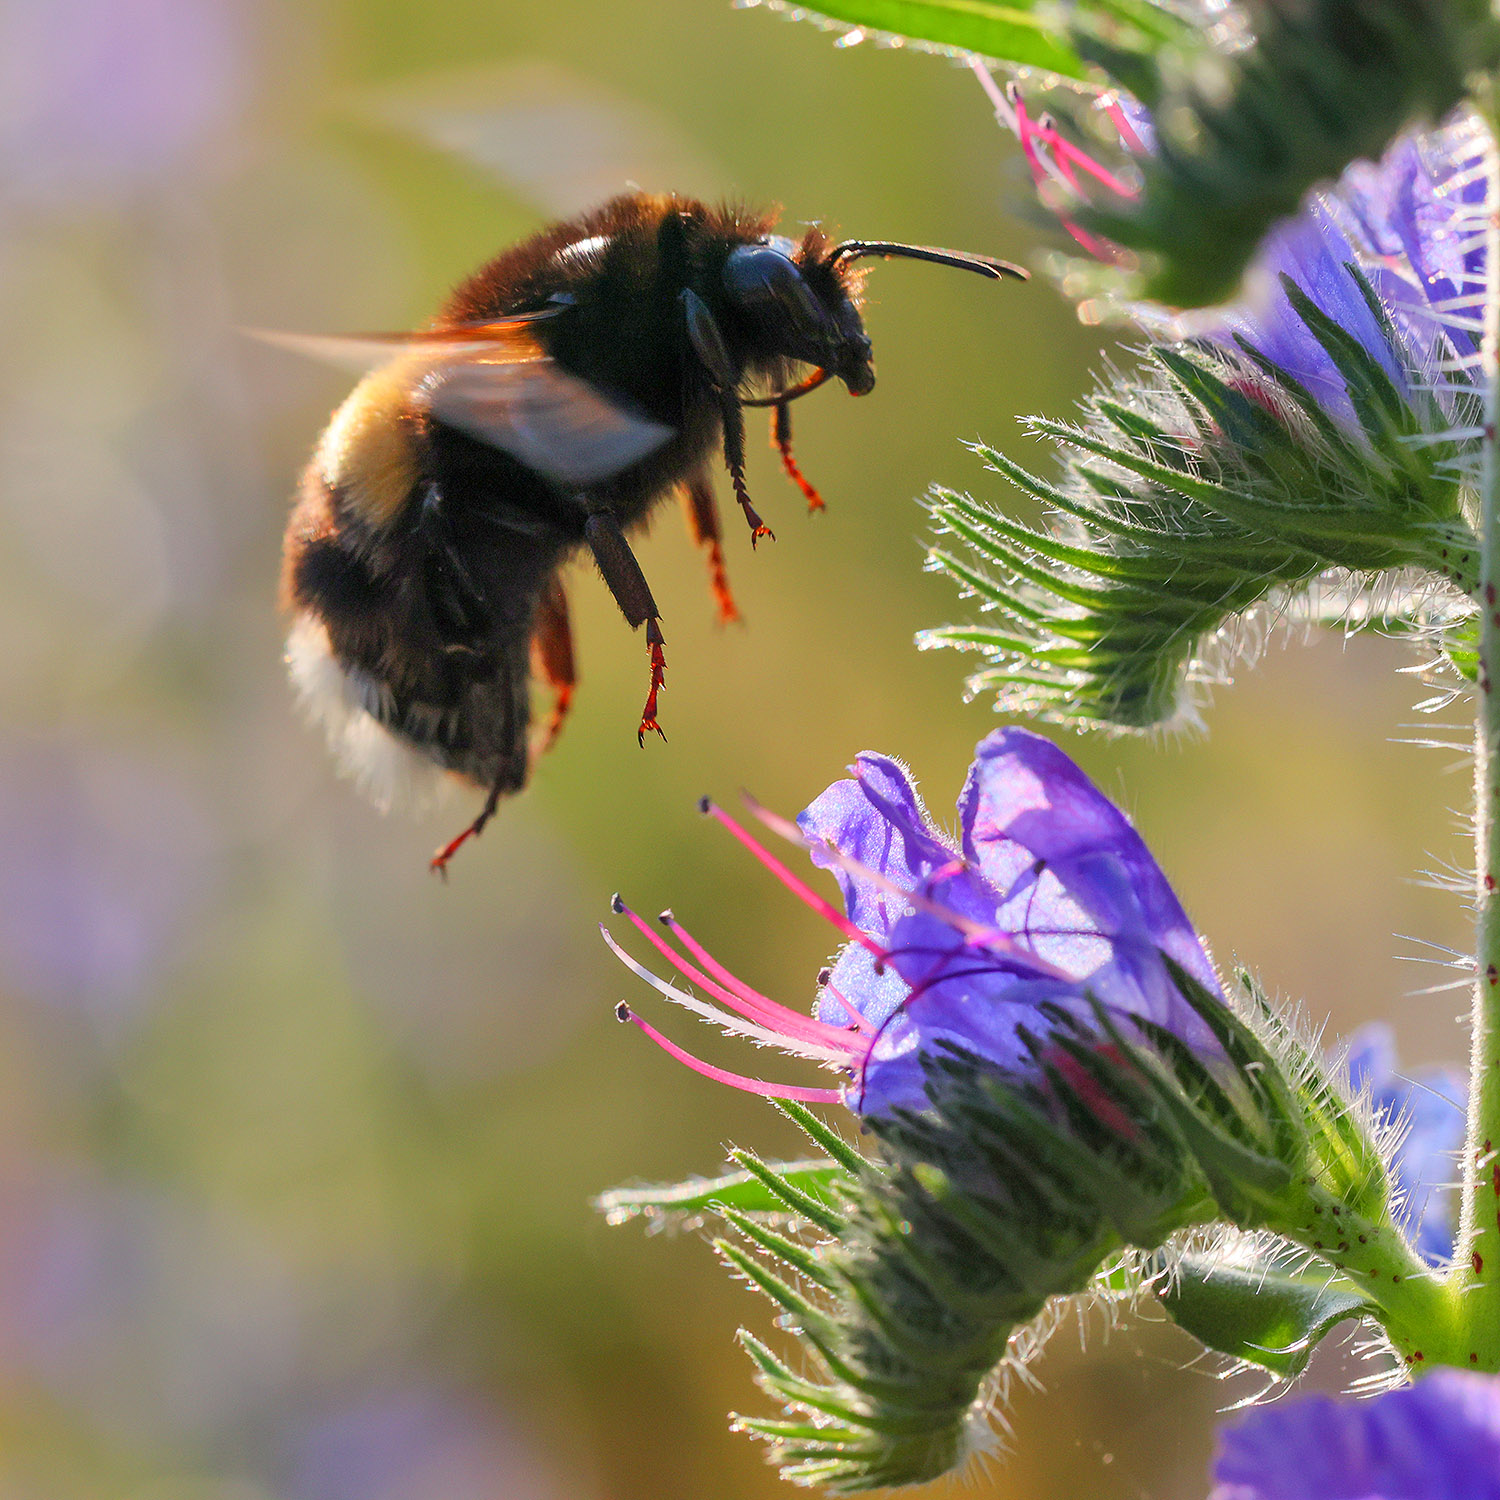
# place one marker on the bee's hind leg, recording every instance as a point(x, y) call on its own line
point(632, 593)
point(552, 656)
point(439, 862)
point(500, 758)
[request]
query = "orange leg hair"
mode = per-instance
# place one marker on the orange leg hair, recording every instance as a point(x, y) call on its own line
point(781, 440)
point(552, 658)
point(703, 525)
point(654, 643)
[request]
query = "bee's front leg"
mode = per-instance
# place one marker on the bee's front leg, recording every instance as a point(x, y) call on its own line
point(713, 353)
point(622, 573)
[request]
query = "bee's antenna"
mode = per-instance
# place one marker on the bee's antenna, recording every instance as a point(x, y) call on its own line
point(985, 265)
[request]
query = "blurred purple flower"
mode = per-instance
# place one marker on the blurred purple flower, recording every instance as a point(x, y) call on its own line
point(413, 1442)
point(147, 1312)
point(108, 861)
point(1436, 1440)
point(1048, 899)
point(1430, 1105)
point(99, 97)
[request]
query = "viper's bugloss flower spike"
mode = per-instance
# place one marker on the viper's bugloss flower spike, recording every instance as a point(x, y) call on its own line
point(1436, 1440)
point(1261, 105)
point(1026, 1024)
point(1322, 435)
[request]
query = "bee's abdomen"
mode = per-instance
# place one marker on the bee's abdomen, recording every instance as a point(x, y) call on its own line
point(397, 743)
point(370, 451)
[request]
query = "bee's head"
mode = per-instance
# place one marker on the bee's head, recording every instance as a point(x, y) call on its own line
point(803, 306)
point(803, 299)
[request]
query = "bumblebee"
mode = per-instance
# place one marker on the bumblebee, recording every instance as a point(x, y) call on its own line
point(566, 388)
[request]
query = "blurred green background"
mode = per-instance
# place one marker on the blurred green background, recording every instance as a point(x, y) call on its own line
point(297, 1144)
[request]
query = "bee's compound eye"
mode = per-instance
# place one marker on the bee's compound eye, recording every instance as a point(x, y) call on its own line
point(759, 278)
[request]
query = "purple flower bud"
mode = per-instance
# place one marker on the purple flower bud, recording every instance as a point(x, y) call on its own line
point(1436, 1440)
point(1048, 902)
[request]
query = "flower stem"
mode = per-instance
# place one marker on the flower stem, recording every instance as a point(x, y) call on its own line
point(1476, 1272)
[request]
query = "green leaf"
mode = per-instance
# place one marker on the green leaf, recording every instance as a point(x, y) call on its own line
point(1269, 1313)
point(1011, 33)
point(744, 1191)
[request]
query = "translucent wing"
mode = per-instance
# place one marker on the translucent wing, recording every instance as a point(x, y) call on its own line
point(495, 382)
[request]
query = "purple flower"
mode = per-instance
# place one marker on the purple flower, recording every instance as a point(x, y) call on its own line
point(411, 1441)
point(1048, 898)
point(104, 96)
point(1429, 1108)
point(1419, 215)
point(1436, 1440)
point(1412, 223)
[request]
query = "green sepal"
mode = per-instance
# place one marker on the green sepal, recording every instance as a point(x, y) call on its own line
point(746, 1192)
point(1272, 1312)
point(905, 1273)
point(1206, 485)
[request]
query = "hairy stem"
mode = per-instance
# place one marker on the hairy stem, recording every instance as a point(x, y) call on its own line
point(1476, 1273)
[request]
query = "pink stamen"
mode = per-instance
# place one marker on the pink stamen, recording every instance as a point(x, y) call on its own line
point(995, 94)
point(1071, 153)
point(976, 935)
point(1029, 132)
point(817, 1030)
point(803, 892)
point(732, 1022)
point(860, 1023)
point(1121, 121)
point(741, 998)
point(1026, 133)
point(720, 1075)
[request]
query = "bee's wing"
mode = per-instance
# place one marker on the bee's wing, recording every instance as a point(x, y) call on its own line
point(553, 422)
point(496, 383)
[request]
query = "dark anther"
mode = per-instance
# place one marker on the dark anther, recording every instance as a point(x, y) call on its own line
point(617, 904)
point(666, 918)
point(622, 1012)
point(824, 975)
point(705, 805)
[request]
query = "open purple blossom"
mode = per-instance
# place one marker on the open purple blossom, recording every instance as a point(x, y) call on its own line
point(1412, 224)
point(1428, 1108)
point(1048, 900)
point(1436, 1440)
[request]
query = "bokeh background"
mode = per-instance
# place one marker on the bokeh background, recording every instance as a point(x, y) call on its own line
point(297, 1145)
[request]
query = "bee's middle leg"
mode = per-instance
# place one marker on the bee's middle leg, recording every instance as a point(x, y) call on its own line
point(622, 573)
point(703, 523)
